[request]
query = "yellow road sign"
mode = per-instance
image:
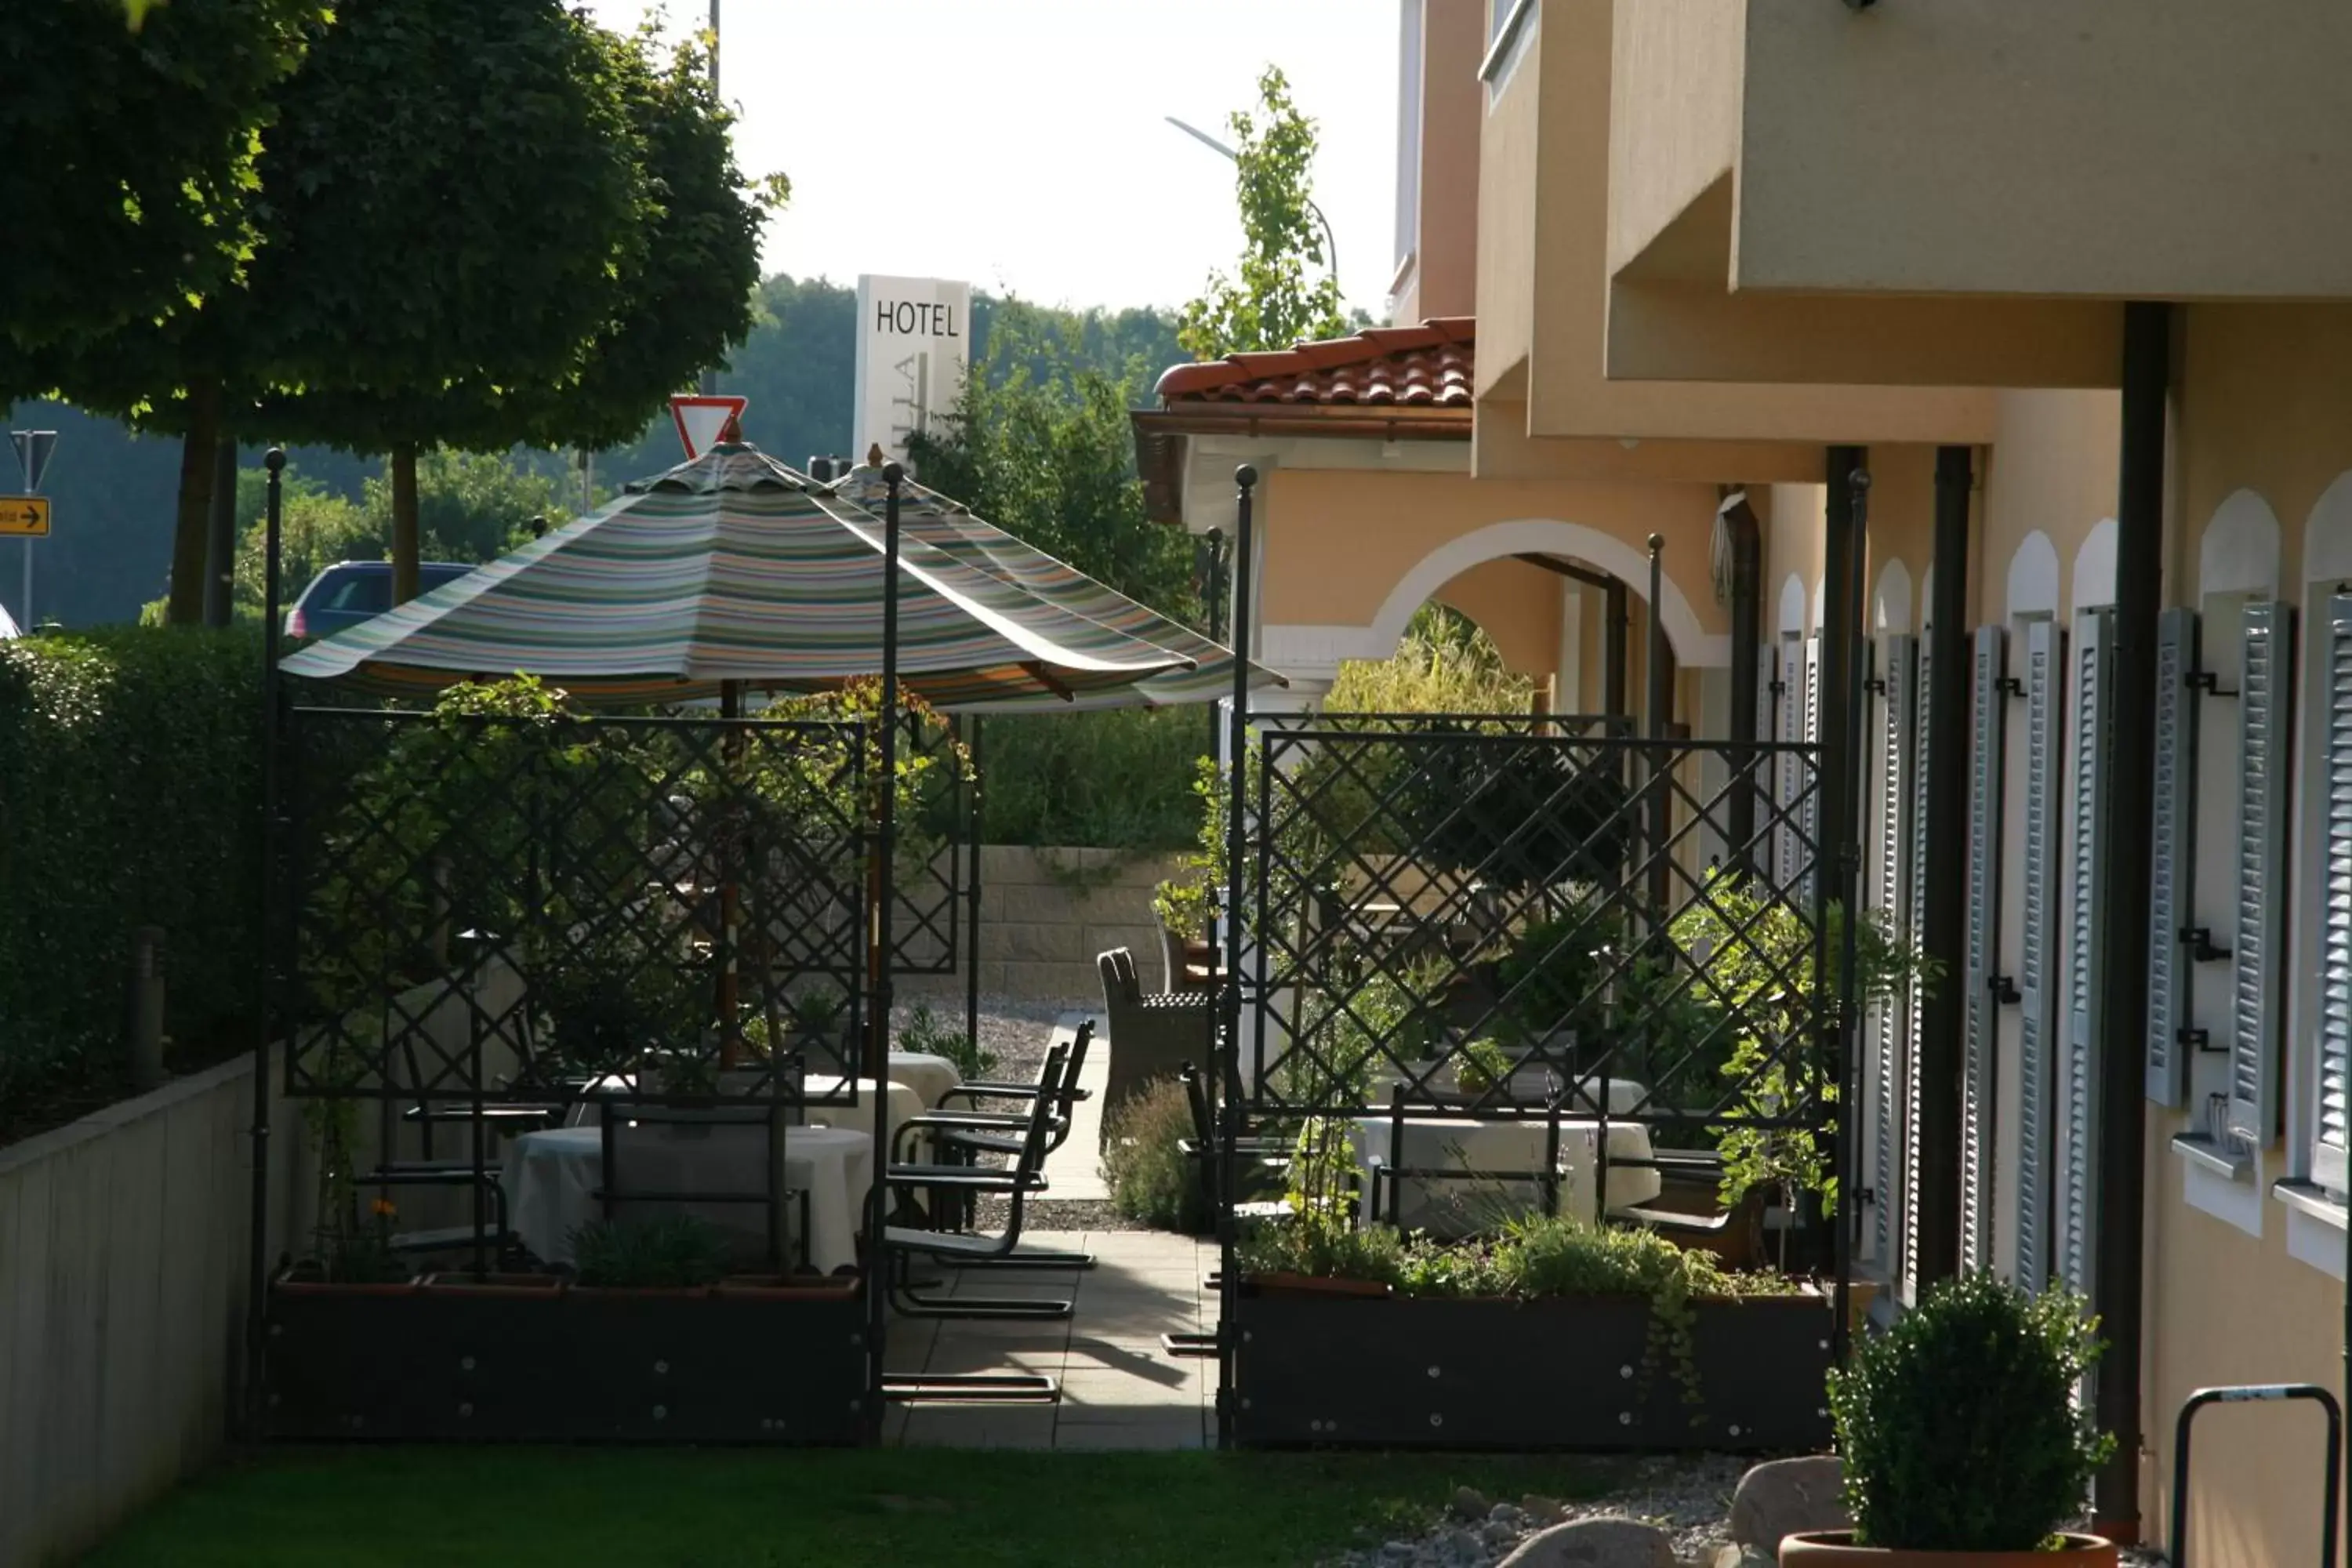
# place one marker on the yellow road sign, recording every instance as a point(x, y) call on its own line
point(25, 517)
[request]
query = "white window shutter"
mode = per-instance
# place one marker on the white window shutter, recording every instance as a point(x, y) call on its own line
point(1890, 853)
point(2037, 981)
point(1810, 853)
point(1794, 776)
point(2172, 856)
point(2332, 1133)
point(2263, 789)
point(1989, 666)
point(2091, 677)
point(1764, 850)
point(1915, 891)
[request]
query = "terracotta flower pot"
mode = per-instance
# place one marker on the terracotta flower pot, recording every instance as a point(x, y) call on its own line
point(1835, 1548)
point(543, 1286)
point(1313, 1285)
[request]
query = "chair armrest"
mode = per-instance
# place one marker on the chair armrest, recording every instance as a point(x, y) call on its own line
point(965, 1177)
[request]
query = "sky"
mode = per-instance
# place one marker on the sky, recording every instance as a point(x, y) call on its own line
point(1020, 145)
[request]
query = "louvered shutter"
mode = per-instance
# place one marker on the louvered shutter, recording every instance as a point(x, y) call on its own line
point(1915, 889)
point(1890, 849)
point(2091, 677)
point(1763, 852)
point(2332, 1136)
point(1809, 852)
point(1989, 664)
point(2173, 856)
point(2263, 788)
point(1794, 774)
point(2036, 976)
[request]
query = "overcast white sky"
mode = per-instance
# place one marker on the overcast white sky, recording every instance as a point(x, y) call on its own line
point(1019, 144)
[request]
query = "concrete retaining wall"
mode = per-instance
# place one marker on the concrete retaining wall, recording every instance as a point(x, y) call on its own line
point(122, 1293)
point(1043, 915)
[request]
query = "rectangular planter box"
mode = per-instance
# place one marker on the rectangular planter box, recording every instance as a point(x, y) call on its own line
point(1399, 1372)
point(574, 1366)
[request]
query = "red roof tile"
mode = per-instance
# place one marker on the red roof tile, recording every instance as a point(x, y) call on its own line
point(1427, 366)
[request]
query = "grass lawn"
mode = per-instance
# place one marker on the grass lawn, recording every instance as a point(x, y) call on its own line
point(749, 1509)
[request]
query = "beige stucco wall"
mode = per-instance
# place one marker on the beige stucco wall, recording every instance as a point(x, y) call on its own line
point(1518, 606)
point(1566, 174)
point(1341, 545)
point(1881, 153)
point(1446, 245)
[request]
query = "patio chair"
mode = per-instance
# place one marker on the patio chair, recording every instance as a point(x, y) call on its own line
point(1261, 1159)
point(1150, 1035)
point(629, 1130)
point(973, 1134)
point(956, 1249)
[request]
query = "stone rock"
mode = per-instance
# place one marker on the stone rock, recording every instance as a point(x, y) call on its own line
point(1780, 1497)
point(1500, 1532)
point(1595, 1543)
point(1504, 1513)
point(1470, 1503)
point(1543, 1509)
point(1401, 1550)
point(1734, 1555)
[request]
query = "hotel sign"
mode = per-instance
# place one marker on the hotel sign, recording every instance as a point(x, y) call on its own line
point(914, 344)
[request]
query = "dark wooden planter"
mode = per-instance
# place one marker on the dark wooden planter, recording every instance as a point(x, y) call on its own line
point(456, 1363)
point(1563, 1373)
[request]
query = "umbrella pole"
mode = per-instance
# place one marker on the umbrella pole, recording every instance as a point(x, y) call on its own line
point(730, 1022)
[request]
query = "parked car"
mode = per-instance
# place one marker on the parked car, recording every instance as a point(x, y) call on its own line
point(351, 591)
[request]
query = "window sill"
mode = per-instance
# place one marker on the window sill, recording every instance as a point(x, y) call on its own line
point(2219, 1181)
point(2220, 1158)
point(2314, 1226)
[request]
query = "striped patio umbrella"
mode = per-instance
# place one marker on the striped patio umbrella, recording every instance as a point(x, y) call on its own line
point(734, 569)
point(950, 526)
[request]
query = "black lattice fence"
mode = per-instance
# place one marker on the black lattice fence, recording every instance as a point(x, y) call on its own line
point(938, 853)
point(501, 908)
point(1502, 917)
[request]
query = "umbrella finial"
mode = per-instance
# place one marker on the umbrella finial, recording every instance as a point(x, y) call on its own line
point(873, 455)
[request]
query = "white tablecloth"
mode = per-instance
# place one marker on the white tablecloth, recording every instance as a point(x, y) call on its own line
point(1456, 1206)
point(904, 1102)
point(553, 1179)
point(928, 1076)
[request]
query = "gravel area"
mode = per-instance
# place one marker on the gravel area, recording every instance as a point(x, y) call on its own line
point(1015, 1030)
point(1688, 1496)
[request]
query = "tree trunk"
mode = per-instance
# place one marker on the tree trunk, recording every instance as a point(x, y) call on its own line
point(403, 521)
point(192, 528)
point(220, 550)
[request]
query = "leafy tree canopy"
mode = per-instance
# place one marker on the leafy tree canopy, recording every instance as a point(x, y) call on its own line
point(1270, 303)
point(127, 162)
point(1039, 446)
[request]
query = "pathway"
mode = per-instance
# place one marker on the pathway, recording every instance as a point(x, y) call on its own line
point(1120, 1388)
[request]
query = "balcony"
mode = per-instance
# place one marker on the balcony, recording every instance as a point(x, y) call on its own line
point(1547, 408)
point(1958, 191)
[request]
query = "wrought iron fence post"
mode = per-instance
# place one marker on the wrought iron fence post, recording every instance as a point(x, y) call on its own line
point(256, 1282)
point(971, 908)
point(1229, 1121)
point(885, 846)
point(1841, 682)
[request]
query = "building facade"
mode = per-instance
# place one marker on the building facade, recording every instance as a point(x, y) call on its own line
point(2065, 281)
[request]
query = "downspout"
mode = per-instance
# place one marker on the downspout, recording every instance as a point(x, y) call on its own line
point(1944, 903)
point(2122, 912)
point(1837, 852)
point(1612, 652)
point(1746, 639)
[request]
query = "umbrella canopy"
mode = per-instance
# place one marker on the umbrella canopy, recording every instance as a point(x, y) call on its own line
point(732, 568)
point(950, 526)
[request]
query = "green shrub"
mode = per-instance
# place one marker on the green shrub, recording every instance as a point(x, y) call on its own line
point(675, 1252)
point(927, 1032)
point(1959, 1426)
point(131, 774)
point(1150, 1178)
point(1120, 779)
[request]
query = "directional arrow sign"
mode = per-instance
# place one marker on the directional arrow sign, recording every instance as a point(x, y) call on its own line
point(25, 517)
point(704, 422)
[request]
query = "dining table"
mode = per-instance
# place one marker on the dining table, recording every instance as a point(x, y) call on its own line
point(1499, 1160)
point(555, 1181)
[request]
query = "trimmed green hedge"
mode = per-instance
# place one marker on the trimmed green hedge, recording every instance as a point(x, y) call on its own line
point(1116, 780)
point(130, 795)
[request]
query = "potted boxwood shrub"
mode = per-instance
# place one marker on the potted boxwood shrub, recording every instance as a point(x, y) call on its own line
point(1962, 1445)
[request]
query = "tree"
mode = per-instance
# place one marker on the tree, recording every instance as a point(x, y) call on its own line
point(1271, 304)
point(1039, 446)
point(127, 163)
point(457, 206)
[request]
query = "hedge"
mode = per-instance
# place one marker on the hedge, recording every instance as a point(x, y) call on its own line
point(130, 795)
point(1115, 780)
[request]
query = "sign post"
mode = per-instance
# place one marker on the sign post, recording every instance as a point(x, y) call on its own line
point(914, 345)
point(27, 515)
